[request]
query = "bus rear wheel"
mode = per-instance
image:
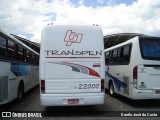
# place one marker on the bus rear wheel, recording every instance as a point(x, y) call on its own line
point(111, 89)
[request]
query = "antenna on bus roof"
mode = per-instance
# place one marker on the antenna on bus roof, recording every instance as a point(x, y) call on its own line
point(50, 23)
point(95, 25)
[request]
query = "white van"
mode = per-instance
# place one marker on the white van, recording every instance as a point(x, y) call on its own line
point(72, 66)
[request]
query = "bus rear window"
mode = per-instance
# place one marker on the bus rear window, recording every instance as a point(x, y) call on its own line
point(150, 48)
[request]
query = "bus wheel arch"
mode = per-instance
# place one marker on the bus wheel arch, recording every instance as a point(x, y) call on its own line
point(111, 88)
point(20, 91)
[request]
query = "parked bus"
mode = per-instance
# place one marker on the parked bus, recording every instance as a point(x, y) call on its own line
point(133, 68)
point(19, 66)
point(72, 66)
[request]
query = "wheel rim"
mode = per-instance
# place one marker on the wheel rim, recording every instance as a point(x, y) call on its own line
point(111, 90)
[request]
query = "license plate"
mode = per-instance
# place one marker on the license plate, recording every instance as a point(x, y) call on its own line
point(157, 91)
point(73, 101)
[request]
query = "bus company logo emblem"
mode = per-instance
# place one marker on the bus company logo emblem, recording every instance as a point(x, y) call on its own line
point(72, 37)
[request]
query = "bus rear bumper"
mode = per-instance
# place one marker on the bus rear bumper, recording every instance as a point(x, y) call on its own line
point(146, 94)
point(71, 99)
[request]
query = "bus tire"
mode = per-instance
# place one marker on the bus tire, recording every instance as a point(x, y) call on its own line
point(20, 91)
point(111, 89)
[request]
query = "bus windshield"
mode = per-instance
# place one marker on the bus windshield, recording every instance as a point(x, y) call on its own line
point(150, 48)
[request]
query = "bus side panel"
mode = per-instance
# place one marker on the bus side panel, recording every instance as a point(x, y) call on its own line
point(120, 77)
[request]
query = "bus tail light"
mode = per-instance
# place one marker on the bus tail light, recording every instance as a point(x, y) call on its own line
point(135, 75)
point(43, 86)
point(102, 85)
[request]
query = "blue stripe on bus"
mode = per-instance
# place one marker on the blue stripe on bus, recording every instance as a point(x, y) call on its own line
point(19, 69)
point(118, 83)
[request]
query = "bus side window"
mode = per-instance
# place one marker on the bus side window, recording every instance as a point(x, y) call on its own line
point(115, 56)
point(11, 49)
point(107, 57)
point(3, 48)
point(20, 53)
point(125, 54)
point(111, 57)
point(121, 56)
point(31, 57)
point(27, 56)
point(34, 58)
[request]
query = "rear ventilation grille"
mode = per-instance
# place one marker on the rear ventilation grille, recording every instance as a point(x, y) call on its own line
point(126, 81)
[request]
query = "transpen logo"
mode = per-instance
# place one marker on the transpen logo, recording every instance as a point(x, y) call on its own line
point(72, 37)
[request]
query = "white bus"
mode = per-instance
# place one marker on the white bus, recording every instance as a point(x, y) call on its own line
point(18, 68)
point(133, 68)
point(72, 66)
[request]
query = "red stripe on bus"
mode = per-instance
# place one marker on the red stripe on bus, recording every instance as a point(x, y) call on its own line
point(72, 57)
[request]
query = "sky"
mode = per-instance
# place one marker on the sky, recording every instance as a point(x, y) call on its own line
point(26, 18)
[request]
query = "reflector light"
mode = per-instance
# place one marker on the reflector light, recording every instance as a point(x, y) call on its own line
point(42, 86)
point(102, 85)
